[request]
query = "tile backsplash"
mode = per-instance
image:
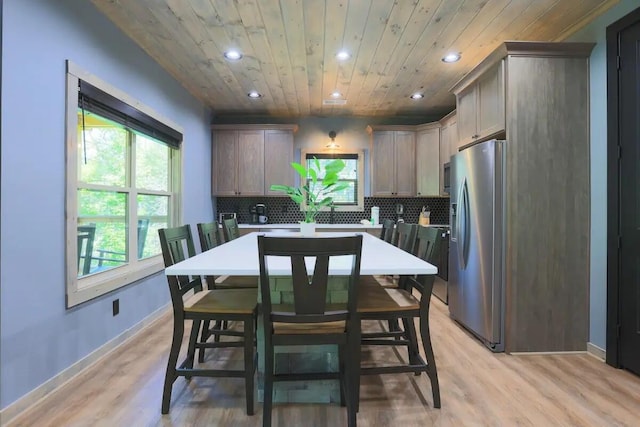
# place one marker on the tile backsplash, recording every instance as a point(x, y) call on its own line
point(282, 210)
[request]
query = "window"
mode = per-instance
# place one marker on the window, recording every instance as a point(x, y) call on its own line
point(351, 198)
point(123, 182)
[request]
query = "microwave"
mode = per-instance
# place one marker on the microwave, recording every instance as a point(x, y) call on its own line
point(446, 178)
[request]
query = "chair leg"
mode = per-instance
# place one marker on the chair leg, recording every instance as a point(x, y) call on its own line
point(411, 336)
point(394, 326)
point(431, 360)
point(220, 325)
point(353, 376)
point(249, 368)
point(204, 336)
point(191, 350)
point(170, 376)
point(341, 369)
point(268, 383)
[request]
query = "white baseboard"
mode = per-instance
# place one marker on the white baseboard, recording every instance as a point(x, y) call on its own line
point(545, 353)
point(597, 352)
point(34, 396)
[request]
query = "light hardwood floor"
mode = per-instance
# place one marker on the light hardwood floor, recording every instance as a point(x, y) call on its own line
point(478, 388)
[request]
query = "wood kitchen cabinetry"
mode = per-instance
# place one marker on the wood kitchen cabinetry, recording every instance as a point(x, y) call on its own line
point(393, 170)
point(480, 107)
point(544, 90)
point(247, 159)
point(238, 163)
point(428, 160)
point(448, 142)
point(278, 156)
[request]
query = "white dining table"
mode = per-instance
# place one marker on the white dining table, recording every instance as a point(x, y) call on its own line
point(239, 257)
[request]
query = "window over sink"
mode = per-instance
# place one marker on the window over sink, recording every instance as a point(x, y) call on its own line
point(350, 199)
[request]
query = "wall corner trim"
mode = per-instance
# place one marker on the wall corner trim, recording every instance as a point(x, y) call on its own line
point(597, 352)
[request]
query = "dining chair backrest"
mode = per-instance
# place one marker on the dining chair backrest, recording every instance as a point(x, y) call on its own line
point(387, 230)
point(177, 245)
point(406, 236)
point(428, 249)
point(209, 235)
point(86, 237)
point(427, 245)
point(310, 302)
point(230, 229)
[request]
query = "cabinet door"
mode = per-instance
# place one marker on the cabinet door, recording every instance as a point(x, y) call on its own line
point(405, 148)
point(428, 162)
point(466, 108)
point(278, 155)
point(225, 160)
point(454, 138)
point(383, 164)
point(490, 117)
point(250, 170)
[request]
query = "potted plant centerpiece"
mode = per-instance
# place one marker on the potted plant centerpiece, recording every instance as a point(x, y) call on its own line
point(317, 185)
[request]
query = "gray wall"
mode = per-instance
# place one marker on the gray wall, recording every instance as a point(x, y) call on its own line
point(596, 32)
point(38, 336)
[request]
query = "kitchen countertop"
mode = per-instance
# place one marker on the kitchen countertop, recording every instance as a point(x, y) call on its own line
point(318, 226)
point(321, 226)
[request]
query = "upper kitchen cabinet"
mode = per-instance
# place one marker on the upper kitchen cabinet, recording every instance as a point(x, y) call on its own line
point(480, 106)
point(428, 160)
point(278, 156)
point(393, 172)
point(238, 163)
point(247, 159)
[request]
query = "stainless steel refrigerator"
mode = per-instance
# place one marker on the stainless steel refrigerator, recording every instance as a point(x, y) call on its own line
point(476, 249)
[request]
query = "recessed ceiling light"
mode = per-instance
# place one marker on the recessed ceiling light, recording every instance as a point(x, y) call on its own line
point(417, 95)
point(254, 94)
point(451, 57)
point(336, 94)
point(343, 55)
point(233, 55)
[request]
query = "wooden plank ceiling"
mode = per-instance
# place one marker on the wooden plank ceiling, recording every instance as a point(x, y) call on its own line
point(290, 47)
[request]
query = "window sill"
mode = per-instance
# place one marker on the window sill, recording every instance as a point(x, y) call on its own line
point(102, 283)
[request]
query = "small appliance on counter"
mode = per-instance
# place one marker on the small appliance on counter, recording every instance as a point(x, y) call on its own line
point(258, 214)
point(225, 215)
point(399, 212)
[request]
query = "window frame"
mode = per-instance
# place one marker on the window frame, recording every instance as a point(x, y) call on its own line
point(359, 207)
point(80, 290)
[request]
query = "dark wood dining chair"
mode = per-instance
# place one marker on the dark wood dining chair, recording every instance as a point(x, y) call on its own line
point(311, 319)
point(209, 235)
point(230, 229)
point(387, 231)
point(376, 302)
point(209, 306)
point(210, 238)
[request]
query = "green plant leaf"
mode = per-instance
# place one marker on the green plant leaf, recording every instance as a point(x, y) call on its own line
point(335, 166)
point(302, 171)
point(314, 175)
point(281, 188)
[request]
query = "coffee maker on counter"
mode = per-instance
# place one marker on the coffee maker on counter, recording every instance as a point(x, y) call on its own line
point(258, 214)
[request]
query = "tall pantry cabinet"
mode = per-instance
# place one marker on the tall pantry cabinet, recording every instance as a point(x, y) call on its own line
point(536, 96)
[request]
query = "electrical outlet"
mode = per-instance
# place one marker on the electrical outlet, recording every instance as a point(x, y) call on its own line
point(284, 209)
point(116, 307)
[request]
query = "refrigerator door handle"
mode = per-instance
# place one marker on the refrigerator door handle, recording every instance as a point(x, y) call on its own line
point(463, 225)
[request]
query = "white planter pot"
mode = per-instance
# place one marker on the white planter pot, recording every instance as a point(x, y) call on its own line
point(307, 229)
